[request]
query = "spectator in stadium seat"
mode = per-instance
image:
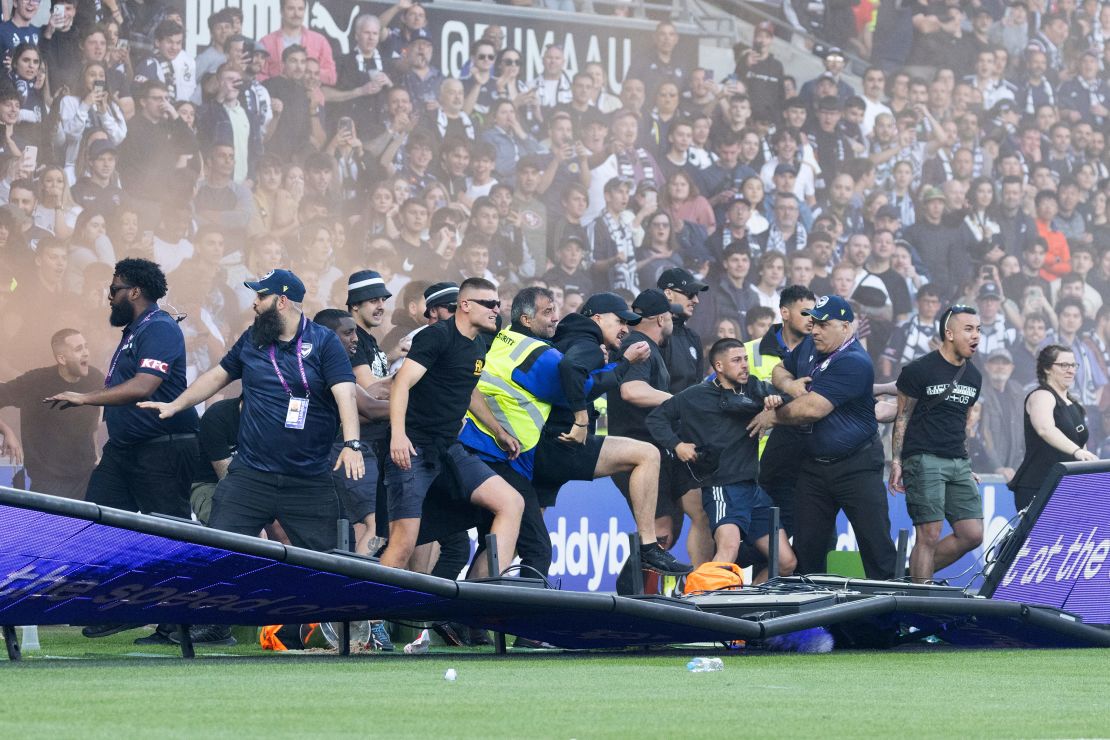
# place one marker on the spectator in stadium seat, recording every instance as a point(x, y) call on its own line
point(225, 119)
point(157, 142)
point(1001, 421)
point(360, 77)
point(945, 256)
point(1057, 260)
point(298, 118)
point(294, 32)
point(170, 65)
point(1034, 330)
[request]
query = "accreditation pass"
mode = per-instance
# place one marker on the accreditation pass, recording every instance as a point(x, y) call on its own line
point(296, 414)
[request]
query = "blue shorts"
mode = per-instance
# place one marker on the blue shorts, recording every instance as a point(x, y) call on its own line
point(744, 504)
point(407, 489)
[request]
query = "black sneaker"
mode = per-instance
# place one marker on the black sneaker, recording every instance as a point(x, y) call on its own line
point(379, 637)
point(104, 630)
point(659, 560)
point(208, 634)
point(526, 644)
point(478, 637)
point(160, 636)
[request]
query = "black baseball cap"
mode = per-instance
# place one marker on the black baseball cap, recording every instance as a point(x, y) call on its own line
point(600, 303)
point(783, 169)
point(439, 294)
point(681, 280)
point(653, 302)
point(278, 282)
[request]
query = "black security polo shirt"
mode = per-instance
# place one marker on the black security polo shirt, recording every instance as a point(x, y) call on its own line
point(629, 420)
point(152, 344)
point(438, 402)
point(264, 441)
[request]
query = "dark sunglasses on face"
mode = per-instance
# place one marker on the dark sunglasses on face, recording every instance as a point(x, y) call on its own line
point(487, 302)
point(510, 62)
point(486, 57)
point(113, 289)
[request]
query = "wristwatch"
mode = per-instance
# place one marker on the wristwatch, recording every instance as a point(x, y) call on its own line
point(353, 444)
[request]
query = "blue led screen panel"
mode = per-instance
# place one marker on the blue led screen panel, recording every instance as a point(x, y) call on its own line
point(1062, 559)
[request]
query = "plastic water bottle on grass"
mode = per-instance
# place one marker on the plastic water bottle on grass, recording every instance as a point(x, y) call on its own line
point(705, 665)
point(30, 639)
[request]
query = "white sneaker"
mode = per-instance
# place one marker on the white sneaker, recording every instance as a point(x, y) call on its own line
point(419, 645)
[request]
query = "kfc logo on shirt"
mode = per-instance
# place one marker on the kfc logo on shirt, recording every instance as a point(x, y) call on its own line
point(162, 367)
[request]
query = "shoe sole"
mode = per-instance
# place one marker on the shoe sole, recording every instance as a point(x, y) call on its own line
point(211, 643)
point(154, 640)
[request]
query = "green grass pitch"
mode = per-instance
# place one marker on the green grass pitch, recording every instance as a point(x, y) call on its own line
point(106, 689)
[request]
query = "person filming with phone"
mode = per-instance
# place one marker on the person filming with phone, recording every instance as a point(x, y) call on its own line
point(157, 143)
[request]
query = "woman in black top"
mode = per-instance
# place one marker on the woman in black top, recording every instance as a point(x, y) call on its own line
point(1055, 424)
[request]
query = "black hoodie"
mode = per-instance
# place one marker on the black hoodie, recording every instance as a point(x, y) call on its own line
point(579, 339)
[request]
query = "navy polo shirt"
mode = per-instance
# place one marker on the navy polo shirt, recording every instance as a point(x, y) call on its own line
point(847, 384)
point(264, 442)
point(152, 344)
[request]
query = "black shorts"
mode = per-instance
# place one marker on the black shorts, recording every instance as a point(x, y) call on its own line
point(675, 481)
point(559, 462)
point(407, 489)
point(358, 497)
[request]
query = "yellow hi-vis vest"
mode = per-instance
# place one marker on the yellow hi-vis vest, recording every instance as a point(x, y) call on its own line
point(515, 408)
point(760, 366)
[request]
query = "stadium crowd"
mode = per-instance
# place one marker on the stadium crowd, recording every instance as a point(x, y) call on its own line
point(969, 167)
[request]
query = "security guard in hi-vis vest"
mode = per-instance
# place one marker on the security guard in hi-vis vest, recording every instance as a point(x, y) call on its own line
point(778, 450)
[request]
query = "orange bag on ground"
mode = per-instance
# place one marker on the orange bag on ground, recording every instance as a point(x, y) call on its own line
point(713, 576)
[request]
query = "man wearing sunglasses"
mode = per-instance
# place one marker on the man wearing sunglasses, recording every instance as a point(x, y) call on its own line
point(929, 458)
point(148, 462)
point(430, 396)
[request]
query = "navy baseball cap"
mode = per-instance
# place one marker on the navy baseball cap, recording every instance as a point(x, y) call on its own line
point(831, 308)
point(278, 282)
point(600, 303)
point(653, 302)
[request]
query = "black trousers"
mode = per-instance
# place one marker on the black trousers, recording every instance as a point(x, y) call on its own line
point(246, 500)
point(454, 554)
point(533, 544)
point(153, 477)
point(854, 484)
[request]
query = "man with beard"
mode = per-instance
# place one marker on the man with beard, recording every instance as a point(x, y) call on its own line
point(567, 450)
point(297, 389)
point(929, 458)
point(430, 396)
point(58, 457)
point(148, 462)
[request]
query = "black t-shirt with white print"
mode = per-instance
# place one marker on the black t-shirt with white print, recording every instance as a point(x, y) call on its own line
point(939, 430)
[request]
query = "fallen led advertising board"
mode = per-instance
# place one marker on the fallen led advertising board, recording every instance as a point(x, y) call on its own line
point(1059, 555)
